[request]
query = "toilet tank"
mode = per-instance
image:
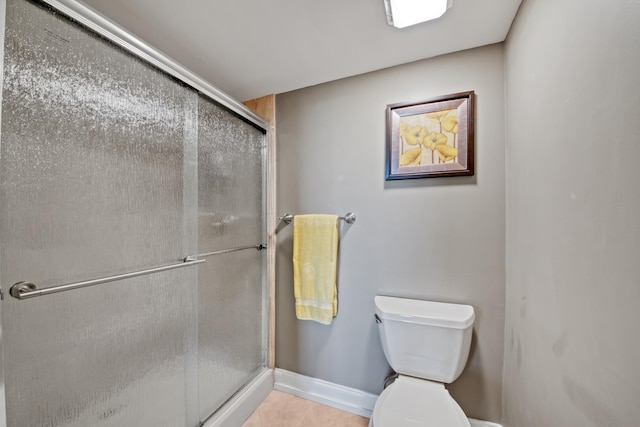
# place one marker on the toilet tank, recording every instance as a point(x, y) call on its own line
point(425, 339)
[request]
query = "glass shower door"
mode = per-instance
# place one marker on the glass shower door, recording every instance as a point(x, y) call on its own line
point(109, 166)
point(98, 157)
point(231, 333)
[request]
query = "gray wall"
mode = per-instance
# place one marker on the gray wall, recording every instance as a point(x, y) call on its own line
point(441, 239)
point(573, 223)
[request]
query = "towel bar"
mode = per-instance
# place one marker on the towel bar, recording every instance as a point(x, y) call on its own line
point(260, 247)
point(24, 290)
point(349, 218)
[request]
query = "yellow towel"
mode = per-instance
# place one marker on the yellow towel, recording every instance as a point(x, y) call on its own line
point(315, 256)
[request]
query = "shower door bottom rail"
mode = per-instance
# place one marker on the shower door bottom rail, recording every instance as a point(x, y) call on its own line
point(25, 290)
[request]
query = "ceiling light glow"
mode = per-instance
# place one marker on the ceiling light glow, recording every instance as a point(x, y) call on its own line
point(403, 13)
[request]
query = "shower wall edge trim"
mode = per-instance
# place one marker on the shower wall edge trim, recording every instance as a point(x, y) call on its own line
point(265, 106)
point(3, 405)
point(114, 32)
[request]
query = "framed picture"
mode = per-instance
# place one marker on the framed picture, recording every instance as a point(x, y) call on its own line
point(432, 138)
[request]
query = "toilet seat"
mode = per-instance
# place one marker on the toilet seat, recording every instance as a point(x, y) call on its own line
point(412, 402)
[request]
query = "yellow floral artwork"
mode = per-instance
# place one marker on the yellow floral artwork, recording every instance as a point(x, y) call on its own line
point(431, 138)
point(435, 132)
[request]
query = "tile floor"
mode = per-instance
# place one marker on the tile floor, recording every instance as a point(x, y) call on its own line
point(285, 410)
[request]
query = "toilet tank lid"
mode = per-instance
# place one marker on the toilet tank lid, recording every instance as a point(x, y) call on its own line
point(458, 316)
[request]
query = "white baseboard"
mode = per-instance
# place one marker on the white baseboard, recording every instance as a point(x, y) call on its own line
point(240, 407)
point(337, 396)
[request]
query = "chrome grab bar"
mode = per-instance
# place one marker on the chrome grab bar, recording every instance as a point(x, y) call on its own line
point(259, 247)
point(349, 218)
point(24, 290)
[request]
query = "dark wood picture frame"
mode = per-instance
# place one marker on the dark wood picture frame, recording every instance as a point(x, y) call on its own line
point(431, 138)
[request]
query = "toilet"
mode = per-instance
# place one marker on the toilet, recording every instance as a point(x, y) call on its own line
point(427, 343)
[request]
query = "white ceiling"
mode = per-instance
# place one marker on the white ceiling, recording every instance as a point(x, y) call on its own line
point(251, 48)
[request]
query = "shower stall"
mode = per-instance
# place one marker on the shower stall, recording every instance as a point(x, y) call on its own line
point(132, 229)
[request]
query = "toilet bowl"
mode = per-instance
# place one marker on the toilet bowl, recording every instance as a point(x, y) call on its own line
point(427, 343)
point(416, 402)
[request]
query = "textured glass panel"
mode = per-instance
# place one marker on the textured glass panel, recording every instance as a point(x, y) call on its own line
point(108, 356)
point(92, 183)
point(230, 344)
point(92, 142)
point(229, 179)
point(109, 166)
point(230, 287)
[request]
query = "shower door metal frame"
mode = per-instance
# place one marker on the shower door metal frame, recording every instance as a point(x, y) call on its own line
point(121, 37)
